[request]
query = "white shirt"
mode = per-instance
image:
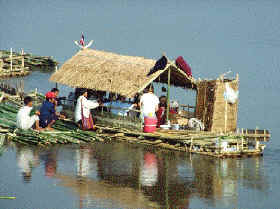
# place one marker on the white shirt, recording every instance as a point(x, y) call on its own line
point(149, 102)
point(24, 120)
point(119, 108)
point(87, 106)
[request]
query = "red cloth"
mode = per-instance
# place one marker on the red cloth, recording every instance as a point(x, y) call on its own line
point(87, 123)
point(183, 65)
point(160, 116)
point(82, 40)
point(173, 111)
point(50, 95)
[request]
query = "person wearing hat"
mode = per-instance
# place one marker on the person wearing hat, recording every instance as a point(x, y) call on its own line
point(48, 114)
point(83, 115)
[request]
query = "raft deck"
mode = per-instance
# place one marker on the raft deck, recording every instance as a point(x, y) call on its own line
point(220, 145)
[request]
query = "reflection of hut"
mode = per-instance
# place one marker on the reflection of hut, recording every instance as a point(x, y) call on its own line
point(89, 189)
point(127, 76)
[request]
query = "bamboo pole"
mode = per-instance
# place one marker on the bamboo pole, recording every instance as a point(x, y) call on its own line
point(226, 107)
point(168, 95)
point(56, 85)
point(22, 60)
point(11, 62)
point(1, 64)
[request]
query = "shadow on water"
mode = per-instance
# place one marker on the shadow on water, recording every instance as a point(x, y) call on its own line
point(130, 176)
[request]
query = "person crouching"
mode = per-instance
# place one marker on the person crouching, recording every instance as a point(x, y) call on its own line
point(24, 120)
point(48, 114)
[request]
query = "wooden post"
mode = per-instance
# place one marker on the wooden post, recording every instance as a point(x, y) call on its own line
point(22, 59)
point(257, 146)
point(1, 64)
point(56, 85)
point(242, 141)
point(168, 95)
point(11, 61)
point(256, 130)
point(204, 103)
point(226, 116)
point(35, 92)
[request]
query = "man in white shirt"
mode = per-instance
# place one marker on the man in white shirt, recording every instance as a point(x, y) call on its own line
point(149, 103)
point(24, 120)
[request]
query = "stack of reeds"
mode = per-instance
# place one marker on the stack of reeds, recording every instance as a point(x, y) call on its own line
point(64, 131)
point(30, 61)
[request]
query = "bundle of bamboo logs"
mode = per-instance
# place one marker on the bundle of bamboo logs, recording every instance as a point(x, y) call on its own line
point(64, 132)
point(13, 61)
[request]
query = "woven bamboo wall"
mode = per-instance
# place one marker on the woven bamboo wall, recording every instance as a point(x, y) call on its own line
point(205, 102)
point(211, 107)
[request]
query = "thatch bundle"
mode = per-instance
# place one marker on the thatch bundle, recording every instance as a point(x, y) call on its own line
point(106, 71)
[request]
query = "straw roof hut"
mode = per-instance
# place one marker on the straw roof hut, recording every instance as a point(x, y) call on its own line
point(125, 75)
point(128, 75)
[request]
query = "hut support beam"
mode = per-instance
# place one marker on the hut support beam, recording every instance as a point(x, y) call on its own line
point(168, 95)
point(226, 107)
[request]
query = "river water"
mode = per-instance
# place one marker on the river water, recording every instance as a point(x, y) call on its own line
point(214, 36)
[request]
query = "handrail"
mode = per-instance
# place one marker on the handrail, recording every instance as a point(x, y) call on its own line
point(187, 106)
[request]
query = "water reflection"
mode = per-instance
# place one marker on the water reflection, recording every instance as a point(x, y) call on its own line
point(83, 161)
point(149, 170)
point(127, 176)
point(49, 157)
point(27, 159)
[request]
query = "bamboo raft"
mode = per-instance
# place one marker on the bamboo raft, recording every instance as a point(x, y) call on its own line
point(240, 144)
point(14, 64)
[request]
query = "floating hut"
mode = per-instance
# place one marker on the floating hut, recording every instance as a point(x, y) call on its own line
point(128, 76)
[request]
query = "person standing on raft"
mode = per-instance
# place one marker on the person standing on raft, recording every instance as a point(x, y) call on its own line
point(83, 115)
point(149, 103)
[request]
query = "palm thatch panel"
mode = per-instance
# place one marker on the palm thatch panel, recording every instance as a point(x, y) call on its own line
point(106, 71)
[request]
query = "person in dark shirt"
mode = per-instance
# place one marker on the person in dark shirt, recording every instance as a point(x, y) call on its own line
point(58, 103)
point(47, 112)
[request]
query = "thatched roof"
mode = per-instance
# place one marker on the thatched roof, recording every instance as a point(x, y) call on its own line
point(105, 71)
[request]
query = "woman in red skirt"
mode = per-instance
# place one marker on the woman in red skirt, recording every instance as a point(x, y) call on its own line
point(82, 111)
